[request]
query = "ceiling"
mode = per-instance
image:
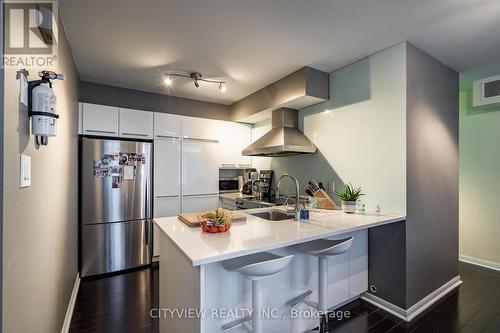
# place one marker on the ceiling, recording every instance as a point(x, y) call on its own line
point(252, 43)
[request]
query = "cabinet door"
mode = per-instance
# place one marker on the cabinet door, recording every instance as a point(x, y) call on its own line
point(227, 145)
point(166, 125)
point(136, 124)
point(358, 264)
point(99, 120)
point(164, 206)
point(199, 128)
point(200, 167)
point(167, 167)
point(233, 138)
point(200, 203)
point(243, 139)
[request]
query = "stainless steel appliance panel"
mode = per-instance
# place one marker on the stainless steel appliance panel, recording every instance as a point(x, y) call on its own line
point(111, 247)
point(105, 201)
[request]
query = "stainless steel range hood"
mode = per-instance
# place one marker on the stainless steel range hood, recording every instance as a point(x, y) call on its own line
point(284, 139)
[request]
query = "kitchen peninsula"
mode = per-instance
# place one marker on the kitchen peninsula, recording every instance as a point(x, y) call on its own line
point(193, 279)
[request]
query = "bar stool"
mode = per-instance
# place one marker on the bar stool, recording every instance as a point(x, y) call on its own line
point(322, 249)
point(256, 267)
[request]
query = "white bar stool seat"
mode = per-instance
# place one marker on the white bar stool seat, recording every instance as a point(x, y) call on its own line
point(323, 249)
point(256, 267)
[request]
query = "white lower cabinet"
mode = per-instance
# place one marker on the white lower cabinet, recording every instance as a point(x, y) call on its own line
point(164, 206)
point(167, 179)
point(199, 203)
point(167, 206)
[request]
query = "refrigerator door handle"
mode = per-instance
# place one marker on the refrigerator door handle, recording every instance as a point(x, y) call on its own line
point(146, 221)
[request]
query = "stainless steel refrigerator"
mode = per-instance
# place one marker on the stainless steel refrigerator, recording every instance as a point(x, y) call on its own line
point(115, 196)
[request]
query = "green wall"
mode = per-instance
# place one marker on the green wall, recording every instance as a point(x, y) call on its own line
point(479, 175)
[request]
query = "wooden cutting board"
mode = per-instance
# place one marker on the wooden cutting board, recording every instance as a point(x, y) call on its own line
point(191, 219)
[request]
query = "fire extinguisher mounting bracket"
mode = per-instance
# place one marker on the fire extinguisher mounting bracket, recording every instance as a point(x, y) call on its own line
point(47, 114)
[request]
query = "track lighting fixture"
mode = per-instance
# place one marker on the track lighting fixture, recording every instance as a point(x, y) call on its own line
point(196, 77)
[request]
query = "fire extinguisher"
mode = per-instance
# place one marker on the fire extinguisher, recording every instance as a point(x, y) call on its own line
point(42, 103)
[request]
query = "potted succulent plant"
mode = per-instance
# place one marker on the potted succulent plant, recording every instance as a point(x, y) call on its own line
point(349, 195)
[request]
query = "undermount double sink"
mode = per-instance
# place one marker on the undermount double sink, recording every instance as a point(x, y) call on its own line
point(272, 215)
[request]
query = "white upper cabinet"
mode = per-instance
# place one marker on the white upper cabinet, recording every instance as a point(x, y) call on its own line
point(167, 125)
point(200, 128)
point(99, 120)
point(200, 167)
point(233, 138)
point(243, 140)
point(136, 124)
point(167, 167)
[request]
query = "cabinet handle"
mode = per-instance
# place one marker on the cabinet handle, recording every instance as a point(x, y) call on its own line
point(167, 136)
point(136, 134)
point(229, 164)
point(201, 195)
point(100, 131)
point(167, 196)
point(197, 139)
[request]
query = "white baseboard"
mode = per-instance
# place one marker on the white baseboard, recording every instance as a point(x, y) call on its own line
point(480, 262)
point(71, 305)
point(419, 307)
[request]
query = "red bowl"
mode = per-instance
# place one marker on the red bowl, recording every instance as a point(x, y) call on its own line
point(207, 226)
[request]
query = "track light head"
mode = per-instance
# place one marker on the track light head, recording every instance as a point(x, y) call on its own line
point(196, 76)
point(168, 80)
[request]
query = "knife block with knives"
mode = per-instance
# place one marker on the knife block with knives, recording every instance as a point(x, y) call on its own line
point(318, 191)
point(327, 203)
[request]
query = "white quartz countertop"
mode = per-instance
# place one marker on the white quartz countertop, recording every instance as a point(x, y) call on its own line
point(257, 235)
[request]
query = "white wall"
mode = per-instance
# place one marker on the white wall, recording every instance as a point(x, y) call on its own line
point(40, 235)
point(360, 132)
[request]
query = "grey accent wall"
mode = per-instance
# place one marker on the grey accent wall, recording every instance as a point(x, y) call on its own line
point(411, 260)
point(305, 168)
point(40, 229)
point(304, 87)
point(387, 262)
point(432, 174)
point(140, 100)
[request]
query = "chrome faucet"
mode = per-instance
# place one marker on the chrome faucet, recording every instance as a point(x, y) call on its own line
point(296, 210)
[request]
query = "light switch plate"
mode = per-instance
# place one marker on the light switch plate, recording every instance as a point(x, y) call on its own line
point(25, 171)
point(331, 186)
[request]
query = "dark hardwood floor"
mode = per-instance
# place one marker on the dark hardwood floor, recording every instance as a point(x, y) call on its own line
point(121, 303)
point(117, 303)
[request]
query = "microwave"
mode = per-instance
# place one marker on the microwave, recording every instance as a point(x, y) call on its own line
point(228, 185)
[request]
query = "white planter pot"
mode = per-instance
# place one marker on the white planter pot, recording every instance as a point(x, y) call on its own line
point(349, 206)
